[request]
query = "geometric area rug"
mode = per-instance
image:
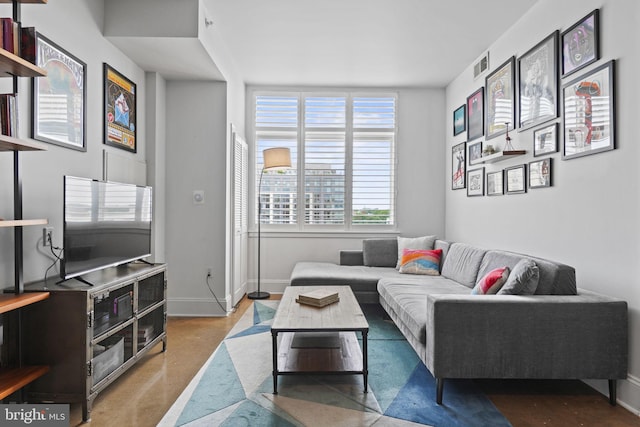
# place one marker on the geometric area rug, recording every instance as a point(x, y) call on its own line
point(235, 386)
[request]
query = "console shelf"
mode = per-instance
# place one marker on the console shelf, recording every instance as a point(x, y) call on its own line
point(107, 328)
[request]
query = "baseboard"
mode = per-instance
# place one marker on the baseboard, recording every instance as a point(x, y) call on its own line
point(628, 392)
point(198, 307)
point(271, 286)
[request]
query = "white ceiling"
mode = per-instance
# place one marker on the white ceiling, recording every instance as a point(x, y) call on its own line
point(396, 43)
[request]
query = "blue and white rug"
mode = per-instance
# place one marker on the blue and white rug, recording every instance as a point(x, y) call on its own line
point(235, 386)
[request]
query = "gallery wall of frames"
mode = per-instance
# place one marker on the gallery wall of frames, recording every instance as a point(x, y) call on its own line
point(549, 89)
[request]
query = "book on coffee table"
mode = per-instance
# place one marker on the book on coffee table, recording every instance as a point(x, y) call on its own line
point(318, 297)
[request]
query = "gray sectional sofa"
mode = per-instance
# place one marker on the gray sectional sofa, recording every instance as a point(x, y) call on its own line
point(559, 332)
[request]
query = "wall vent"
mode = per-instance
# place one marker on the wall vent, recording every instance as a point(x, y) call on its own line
point(481, 66)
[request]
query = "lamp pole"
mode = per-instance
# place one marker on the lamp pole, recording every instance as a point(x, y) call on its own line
point(258, 294)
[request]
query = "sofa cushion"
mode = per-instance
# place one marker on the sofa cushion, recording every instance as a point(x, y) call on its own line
point(462, 264)
point(407, 297)
point(421, 261)
point(523, 280)
point(491, 282)
point(424, 242)
point(380, 252)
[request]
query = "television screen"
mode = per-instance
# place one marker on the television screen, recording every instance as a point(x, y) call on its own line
point(105, 224)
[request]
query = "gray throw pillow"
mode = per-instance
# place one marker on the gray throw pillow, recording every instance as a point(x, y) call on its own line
point(379, 252)
point(424, 242)
point(523, 279)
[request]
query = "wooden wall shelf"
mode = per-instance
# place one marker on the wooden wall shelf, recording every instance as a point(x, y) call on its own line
point(22, 222)
point(26, 1)
point(13, 65)
point(9, 302)
point(12, 380)
point(9, 143)
point(498, 157)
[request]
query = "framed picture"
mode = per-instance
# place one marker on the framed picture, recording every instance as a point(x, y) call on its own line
point(119, 110)
point(588, 113)
point(458, 166)
point(59, 98)
point(538, 83)
point(459, 120)
point(540, 173)
point(501, 107)
point(475, 152)
point(581, 43)
point(494, 183)
point(545, 140)
point(515, 179)
point(475, 179)
point(475, 114)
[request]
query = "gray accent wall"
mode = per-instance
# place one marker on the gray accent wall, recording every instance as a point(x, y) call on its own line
point(589, 218)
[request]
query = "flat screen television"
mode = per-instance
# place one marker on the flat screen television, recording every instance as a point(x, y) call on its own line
point(105, 224)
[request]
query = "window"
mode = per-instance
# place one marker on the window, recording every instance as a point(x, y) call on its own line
point(342, 154)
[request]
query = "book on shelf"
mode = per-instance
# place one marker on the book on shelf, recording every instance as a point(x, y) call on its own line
point(318, 297)
point(28, 44)
point(8, 114)
point(10, 35)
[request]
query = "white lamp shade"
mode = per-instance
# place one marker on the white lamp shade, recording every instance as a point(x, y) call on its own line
point(274, 158)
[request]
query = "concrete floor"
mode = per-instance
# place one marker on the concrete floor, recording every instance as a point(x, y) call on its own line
point(143, 394)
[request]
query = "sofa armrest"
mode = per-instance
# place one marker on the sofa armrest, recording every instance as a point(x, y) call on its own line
point(351, 257)
point(540, 336)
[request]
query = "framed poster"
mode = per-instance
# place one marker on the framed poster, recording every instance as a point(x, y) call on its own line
point(545, 140)
point(475, 152)
point(475, 114)
point(459, 120)
point(581, 43)
point(475, 179)
point(458, 166)
point(540, 173)
point(119, 110)
point(515, 181)
point(588, 113)
point(501, 107)
point(494, 183)
point(538, 83)
point(59, 98)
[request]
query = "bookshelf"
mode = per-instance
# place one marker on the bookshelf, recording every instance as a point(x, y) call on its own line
point(14, 373)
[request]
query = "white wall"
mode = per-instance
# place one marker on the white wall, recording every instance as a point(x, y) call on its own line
point(420, 150)
point(588, 219)
point(196, 153)
point(43, 171)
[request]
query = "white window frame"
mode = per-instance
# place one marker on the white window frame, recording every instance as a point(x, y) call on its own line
point(300, 225)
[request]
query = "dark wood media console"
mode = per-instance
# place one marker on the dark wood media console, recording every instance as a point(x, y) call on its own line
point(90, 335)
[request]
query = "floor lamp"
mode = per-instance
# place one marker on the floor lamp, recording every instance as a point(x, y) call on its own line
point(273, 158)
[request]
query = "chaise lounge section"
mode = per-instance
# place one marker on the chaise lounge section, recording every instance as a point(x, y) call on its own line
point(551, 331)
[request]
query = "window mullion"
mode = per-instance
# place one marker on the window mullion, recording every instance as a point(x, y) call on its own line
point(348, 190)
point(301, 163)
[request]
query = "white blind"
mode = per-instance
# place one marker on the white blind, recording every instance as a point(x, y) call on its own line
point(277, 126)
point(347, 170)
point(324, 159)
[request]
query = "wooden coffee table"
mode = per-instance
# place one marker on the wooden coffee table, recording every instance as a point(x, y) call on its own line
point(339, 355)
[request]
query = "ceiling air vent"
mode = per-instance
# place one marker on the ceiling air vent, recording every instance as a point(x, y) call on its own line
point(481, 66)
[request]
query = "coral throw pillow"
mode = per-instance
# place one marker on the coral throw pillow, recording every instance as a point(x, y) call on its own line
point(491, 282)
point(421, 261)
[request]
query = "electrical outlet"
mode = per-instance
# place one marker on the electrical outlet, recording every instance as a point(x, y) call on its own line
point(47, 236)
